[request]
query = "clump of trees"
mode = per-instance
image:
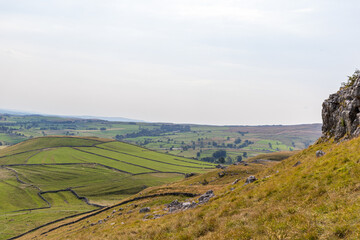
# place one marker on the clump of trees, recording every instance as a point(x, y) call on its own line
point(237, 141)
point(164, 128)
point(208, 159)
point(10, 131)
point(245, 144)
point(220, 153)
point(218, 156)
point(174, 128)
point(242, 133)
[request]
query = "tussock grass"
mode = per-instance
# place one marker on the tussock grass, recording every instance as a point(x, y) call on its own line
point(276, 156)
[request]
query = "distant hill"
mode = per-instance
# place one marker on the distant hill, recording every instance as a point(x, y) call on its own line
point(14, 112)
point(115, 119)
point(111, 119)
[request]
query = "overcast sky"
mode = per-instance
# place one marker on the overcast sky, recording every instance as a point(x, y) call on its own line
point(184, 61)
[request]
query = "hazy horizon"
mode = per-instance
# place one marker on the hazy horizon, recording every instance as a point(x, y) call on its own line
point(124, 119)
point(202, 62)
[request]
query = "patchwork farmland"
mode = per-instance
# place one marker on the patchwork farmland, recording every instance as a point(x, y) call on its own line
point(44, 179)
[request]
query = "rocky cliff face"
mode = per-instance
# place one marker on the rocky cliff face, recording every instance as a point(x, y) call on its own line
point(341, 111)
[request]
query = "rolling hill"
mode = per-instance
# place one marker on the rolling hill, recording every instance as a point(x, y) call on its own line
point(47, 178)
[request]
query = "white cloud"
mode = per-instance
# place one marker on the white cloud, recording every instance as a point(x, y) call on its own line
point(304, 10)
point(220, 11)
point(247, 59)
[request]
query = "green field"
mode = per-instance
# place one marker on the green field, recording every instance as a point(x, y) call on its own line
point(63, 204)
point(11, 139)
point(49, 142)
point(188, 140)
point(15, 196)
point(101, 170)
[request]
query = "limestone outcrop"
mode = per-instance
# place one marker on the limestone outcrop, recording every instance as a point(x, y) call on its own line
point(341, 111)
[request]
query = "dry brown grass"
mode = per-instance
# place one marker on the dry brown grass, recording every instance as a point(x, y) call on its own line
point(276, 156)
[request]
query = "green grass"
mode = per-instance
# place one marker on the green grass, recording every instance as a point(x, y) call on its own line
point(53, 177)
point(183, 167)
point(7, 139)
point(48, 142)
point(59, 155)
point(264, 144)
point(130, 186)
point(17, 158)
point(15, 196)
point(63, 204)
point(70, 155)
point(94, 182)
point(143, 152)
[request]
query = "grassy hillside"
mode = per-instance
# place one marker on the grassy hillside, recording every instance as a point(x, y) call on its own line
point(302, 197)
point(42, 176)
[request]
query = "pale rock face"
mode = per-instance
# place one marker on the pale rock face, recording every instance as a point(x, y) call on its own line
point(341, 113)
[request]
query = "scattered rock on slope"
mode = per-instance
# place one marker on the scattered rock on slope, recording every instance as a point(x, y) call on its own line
point(220, 166)
point(144, 210)
point(187, 175)
point(236, 181)
point(176, 205)
point(319, 153)
point(250, 180)
point(206, 197)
